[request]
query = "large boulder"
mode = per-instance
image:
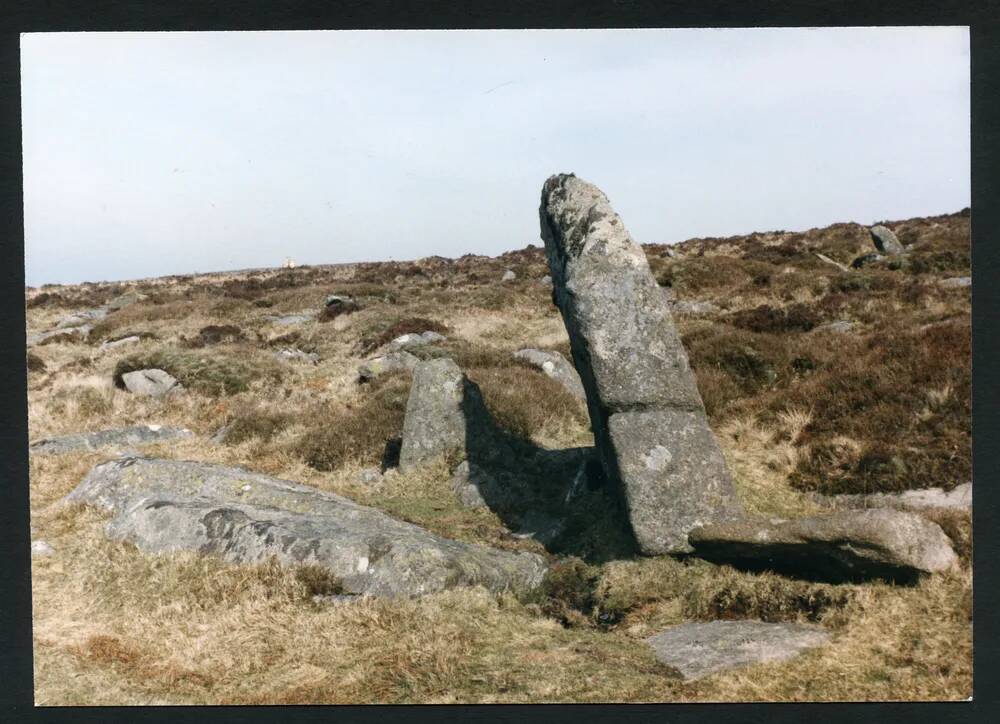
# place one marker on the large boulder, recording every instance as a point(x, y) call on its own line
point(435, 422)
point(164, 506)
point(151, 382)
point(555, 366)
point(885, 240)
point(123, 437)
point(648, 418)
point(849, 545)
point(695, 650)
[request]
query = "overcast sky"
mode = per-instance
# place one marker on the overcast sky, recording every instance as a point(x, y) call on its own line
point(148, 154)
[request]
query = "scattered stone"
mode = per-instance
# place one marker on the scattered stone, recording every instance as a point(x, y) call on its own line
point(828, 260)
point(841, 326)
point(391, 362)
point(163, 506)
point(124, 300)
point(290, 319)
point(435, 422)
point(885, 240)
point(865, 260)
point(369, 476)
point(411, 340)
point(956, 282)
point(696, 650)
point(40, 549)
point(546, 280)
point(959, 498)
point(291, 354)
point(336, 300)
point(649, 422)
point(508, 276)
point(120, 342)
point(555, 366)
point(60, 335)
point(152, 382)
point(668, 253)
point(79, 318)
point(137, 435)
point(849, 545)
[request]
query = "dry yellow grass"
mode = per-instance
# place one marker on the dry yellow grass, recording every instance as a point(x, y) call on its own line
point(113, 626)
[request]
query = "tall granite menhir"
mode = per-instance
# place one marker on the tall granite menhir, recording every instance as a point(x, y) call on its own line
point(648, 417)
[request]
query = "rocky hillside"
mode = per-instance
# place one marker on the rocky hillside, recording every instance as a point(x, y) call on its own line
point(827, 367)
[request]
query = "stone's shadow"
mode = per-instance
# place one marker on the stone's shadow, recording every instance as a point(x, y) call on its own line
point(560, 498)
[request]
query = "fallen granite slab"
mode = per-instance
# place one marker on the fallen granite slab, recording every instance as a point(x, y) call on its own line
point(127, 436)
point(648, 418)
point(851, 545)
point(958, 498)
point(695, 650)
point(557, 367)
point(165, 506)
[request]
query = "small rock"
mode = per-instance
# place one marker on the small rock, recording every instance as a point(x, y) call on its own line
point(546, 280)
point(369, 476)
point(465, 489)
point(411, 340)
point(885, 240)
point(120, 342)
point(289, 319)
point(866, 259)
point(956, 282)
point(336, 300)
point(151, 382)
point(841, 326)
point(78, 318)
point(695, 650)
point(290, 354)
point(40, 548)
point(386, 363)
point(557, 367)
point(120, 302)
point(668, 253)
point(508, 276)
point(59, 336)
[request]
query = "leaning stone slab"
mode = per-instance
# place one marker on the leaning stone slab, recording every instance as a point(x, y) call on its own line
point(151, 382)
point(848, 545)
point(958, 498)
point(128, 436)
point(555, 366)
point(696, 650)
point(164, 506)
point(885, 240)
point(648, 418)
point(378, 366)
point(434, 423)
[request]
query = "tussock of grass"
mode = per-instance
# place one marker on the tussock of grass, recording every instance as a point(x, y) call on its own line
point(209, 373)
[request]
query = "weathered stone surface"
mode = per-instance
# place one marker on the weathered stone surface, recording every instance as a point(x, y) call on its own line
point(79, 318)
point(546, 280)
point(152, 382)
point(634, 370)
point(137, 435)
point(124, 300)
point(958, 498)
point(555, 366)
point(120, 342)
point(508, 276)
point(168, 505)
point(695, 650)
point(885, 240)
point(845, 545)
point(369, 476)
point(434, 424)
point(956, 282)
point(386, 363)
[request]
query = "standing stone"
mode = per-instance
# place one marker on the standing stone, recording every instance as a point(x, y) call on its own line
point(885, 241)
point(648, 418)
point(435, 421)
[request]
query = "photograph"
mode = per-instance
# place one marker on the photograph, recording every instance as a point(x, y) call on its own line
point(511, 366)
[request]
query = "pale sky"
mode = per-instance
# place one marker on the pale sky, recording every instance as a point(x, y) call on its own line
point(147, 154)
